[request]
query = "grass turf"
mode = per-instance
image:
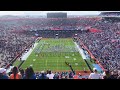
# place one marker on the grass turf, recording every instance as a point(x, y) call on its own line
point(52, 54)
point(16, 63)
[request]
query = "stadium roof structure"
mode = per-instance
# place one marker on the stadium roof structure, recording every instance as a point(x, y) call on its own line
point(113, 16)
point(110, 14)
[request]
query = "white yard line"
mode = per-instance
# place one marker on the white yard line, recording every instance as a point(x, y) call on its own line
point(80, 50)
point(57, 64)
point(62, 66)
point(46, 63)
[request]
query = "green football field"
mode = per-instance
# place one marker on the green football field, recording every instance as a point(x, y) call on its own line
point(52, 54)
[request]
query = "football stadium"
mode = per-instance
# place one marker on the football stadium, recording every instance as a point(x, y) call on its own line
point(59, 45)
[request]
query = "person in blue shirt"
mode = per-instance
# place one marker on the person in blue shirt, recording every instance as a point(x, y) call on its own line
point(43, 75)
point(56, 76)
point(3, 74)
point(70, 75)
point(29, 74)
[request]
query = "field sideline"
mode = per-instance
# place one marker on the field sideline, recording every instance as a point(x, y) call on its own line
point(52, 54)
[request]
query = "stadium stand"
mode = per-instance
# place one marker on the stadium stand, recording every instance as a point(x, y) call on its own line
point(101, 37)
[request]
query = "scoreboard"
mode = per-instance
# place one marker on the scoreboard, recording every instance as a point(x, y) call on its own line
point(56, 15)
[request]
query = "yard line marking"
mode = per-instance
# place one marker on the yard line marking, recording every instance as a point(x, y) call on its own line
point(67, 57)
point(57, 64)
point(76, 64)
point(31, 65)
point(34, 59)
point(74, 58)
point(46, 63)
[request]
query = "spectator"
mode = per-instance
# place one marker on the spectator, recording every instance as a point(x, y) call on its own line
point(114, 74)
point(56, 76)
point(76, 76)
point(80, 76)
point(47, 72)
point(21, 72)
point(106, 75)
point(118, 75)
point(15, 74)
point(94, 75)
point(37, 75)
point(3, 74)
point(70, 75)
point(50, 75)
point(42, 75)
point(29, 74)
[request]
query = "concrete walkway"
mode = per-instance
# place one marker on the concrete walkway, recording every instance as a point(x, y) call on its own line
point(80, 50)
point(26, 55)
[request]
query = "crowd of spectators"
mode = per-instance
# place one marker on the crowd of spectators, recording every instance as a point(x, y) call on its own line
point(12, 44)
point(45, 23)
point(103, 45)
point(29, 73)
point(110, 14)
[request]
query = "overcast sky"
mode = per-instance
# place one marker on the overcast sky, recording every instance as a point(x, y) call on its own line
point(44, 12)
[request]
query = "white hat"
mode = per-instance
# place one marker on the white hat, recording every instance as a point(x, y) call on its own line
point(2, 70)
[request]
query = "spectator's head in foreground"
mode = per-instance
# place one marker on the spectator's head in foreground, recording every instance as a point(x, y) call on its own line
point(31, 70)
point(106, 74)
point(50, 71)
point(95, 70)
point(3, 74)
point(15, 74)
point(2, 71)
point(118, 75)
point(94, 75)
point(21, 72)
point(29, 73)
point(14, 71)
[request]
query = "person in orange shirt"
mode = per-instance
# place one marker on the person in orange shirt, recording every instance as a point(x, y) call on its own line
point(15, 74)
